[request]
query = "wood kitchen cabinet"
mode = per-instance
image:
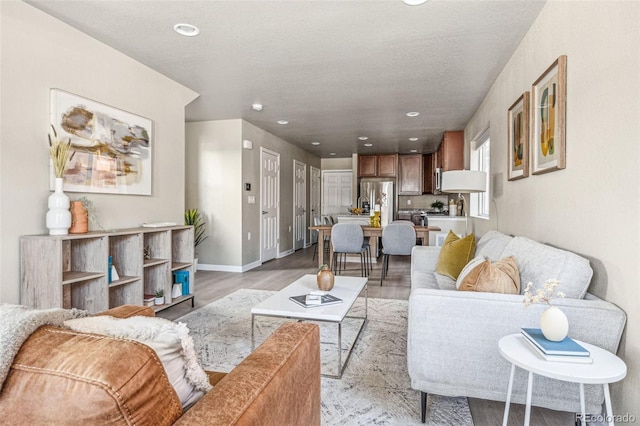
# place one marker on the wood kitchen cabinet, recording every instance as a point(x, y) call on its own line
point(377, 165)
point(410, 178)
point(367, 166)
point(428, 171)
point(387, 165)
point(450, 155)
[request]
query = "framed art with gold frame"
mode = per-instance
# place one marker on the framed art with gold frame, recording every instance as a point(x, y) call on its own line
point(518, 138)
point(549, 103)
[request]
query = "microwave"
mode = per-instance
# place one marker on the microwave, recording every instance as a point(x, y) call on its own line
point(437, 187)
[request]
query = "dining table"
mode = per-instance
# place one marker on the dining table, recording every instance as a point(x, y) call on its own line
point(375, 232)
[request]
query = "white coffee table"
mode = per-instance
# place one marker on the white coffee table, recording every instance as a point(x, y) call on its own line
point(606, 368)
point(346, 288)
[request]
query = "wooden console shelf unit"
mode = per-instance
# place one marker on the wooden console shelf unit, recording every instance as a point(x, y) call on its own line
point(71, 271)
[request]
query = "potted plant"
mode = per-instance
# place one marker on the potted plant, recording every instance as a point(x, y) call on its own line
point(159, 294)
point(194, 218)
point(437, 205)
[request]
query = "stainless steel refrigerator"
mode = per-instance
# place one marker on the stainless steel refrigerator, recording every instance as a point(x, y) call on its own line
point(380, 192)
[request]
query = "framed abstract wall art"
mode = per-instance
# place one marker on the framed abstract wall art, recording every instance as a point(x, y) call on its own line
point(112, 147)
point(548, 101)
point(518, 138)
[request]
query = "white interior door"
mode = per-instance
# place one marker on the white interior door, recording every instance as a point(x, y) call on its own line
point(315, 201)
point(299, 204)
point(269, 201)
point(336, 192)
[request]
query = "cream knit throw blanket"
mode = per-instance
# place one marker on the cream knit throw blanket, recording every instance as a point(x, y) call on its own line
point(18, 322)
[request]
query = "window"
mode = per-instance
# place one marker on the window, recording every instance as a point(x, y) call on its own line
point(480, 158)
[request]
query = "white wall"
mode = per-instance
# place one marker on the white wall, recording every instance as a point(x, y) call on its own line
point(251, 173)
point(38, 53)
point(593, 206)
point(217, 168)
point(214, 172)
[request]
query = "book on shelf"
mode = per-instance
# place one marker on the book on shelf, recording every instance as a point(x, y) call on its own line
point(566, 347)
point(149, 298)
point(312, 301)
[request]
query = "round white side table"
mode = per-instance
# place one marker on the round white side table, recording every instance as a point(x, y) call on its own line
point(606, 368)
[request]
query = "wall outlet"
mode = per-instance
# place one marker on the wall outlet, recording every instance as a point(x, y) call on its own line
point(251, 199)
point(248, 235)
point(408, 202)
point(289, 228)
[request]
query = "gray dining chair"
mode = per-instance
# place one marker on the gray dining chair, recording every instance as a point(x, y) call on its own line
point(397, 240)
point(348, 238)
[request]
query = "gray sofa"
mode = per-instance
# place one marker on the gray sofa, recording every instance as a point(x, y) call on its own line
point(453, 335)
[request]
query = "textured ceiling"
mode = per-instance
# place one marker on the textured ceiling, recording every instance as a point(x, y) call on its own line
point(335, 70)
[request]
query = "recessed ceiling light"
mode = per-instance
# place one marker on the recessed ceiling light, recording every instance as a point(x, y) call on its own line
point(414, 2)
point(315, 143)
point(282, 122)
point(413, 139)
point(187, 30)
point(256, 107)
point(332, 153)
point(414, 150)
point(413, 114)
point(368, 144)
point(363, 138)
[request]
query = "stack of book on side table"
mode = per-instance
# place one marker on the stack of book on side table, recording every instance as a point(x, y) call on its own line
point(567, 350)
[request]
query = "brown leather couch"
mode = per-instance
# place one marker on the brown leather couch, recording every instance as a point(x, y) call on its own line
point(64, 377)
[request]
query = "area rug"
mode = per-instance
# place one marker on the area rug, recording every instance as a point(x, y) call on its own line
point(375, 388)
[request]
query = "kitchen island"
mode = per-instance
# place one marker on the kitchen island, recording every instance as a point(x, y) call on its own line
point(445, 222)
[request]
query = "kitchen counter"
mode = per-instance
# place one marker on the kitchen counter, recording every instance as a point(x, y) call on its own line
point(430, 215)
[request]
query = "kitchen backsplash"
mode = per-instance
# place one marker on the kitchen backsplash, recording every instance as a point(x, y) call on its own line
point(418, 202)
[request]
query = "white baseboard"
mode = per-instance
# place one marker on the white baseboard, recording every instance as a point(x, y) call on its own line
point(285, 253)
point(228, 268)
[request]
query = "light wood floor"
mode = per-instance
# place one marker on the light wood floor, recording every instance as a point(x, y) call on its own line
point(277, 274)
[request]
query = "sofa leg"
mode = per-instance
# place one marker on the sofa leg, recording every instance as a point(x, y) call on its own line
point(423, 406)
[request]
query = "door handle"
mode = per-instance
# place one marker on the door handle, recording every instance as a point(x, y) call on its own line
point(264, 212)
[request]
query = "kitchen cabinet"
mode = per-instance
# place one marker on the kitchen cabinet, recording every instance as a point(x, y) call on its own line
point(367, 166)
point(410, 178)
point(428, 174)
point(387, 165)
point(377, 165)
point(450, 154)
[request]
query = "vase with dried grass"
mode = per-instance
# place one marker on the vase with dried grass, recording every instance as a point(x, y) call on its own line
point(59, 217)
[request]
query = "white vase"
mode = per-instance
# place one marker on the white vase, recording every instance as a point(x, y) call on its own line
point(58, 216)
point(159, 300)
point(554, 324)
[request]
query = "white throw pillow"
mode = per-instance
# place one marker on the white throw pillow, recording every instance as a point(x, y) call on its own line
point(171, 341)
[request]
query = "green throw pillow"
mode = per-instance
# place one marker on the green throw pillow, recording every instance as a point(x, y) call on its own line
point(455, 254)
